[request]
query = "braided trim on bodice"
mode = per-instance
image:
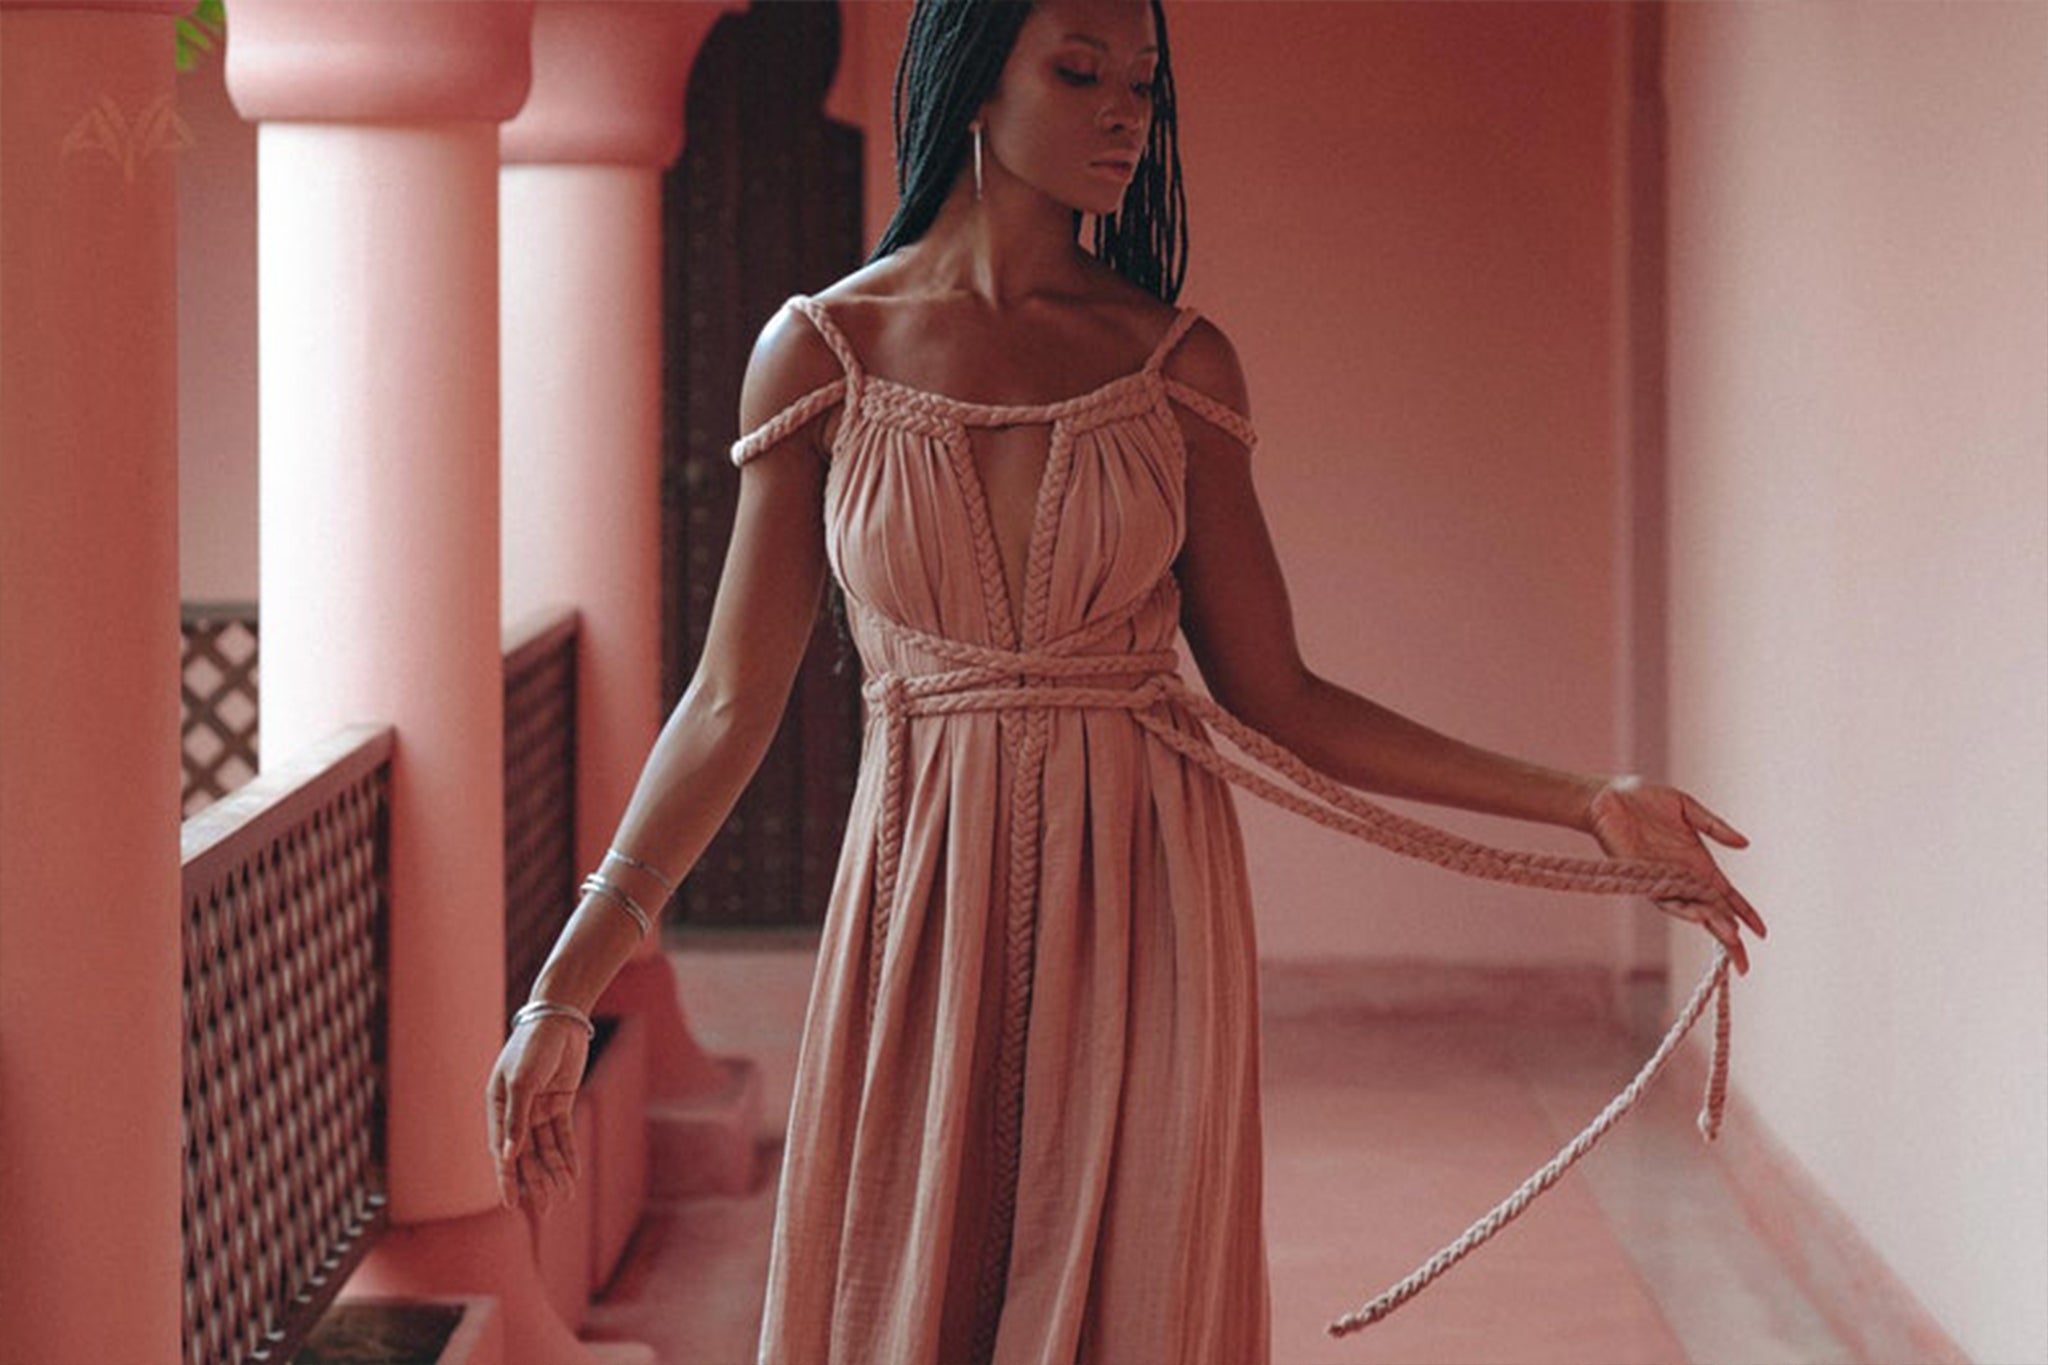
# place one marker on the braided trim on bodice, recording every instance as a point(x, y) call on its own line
point(940, 416)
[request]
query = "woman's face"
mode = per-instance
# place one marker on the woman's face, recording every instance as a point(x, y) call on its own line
point(1073, 107)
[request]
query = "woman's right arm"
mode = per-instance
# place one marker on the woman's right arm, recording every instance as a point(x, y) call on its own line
point(704, 756)
point(761, 623)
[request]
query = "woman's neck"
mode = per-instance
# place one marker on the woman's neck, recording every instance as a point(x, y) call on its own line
point(1007, 248)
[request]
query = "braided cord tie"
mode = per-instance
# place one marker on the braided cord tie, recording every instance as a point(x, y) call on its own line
point(1715, 981)
point(1056, 674)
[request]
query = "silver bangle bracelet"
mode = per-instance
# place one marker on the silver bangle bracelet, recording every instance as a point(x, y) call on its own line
point(630, 861)
point(535, 1009)
point(596, 885)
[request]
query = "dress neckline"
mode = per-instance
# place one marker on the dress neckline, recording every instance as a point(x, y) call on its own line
point(1057, 408)
point(861, 379)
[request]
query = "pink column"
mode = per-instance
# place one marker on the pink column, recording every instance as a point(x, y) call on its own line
point(1642, 932)
point(580, 282)
point(90, 1031)
point(377, 166)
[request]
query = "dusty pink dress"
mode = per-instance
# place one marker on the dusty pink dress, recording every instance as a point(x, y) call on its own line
point(1026, 1123)
point(1026, 1120)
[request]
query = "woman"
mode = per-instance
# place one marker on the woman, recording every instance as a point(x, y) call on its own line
point(1025, 1124)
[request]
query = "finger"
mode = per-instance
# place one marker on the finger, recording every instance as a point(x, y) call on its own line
point(494, 1102)
point(549, 1150)
point(1737, 950)
point(1748, 913)
point(1729, 939)
point(514, 1181)
point(518, 1113)
point(1707, 822)
point(547, 1142)
point(1679, 908)
point(535, 1179)
point(565, 1132)
point(495, 1148)
point(560, 1148)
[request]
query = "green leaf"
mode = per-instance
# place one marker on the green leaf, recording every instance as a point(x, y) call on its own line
point(198, 30)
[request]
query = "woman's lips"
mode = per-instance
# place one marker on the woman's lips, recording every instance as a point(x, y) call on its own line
point(1114, 166)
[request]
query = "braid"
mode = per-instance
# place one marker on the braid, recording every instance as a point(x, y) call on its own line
point(952, 58)
point(1146, 241)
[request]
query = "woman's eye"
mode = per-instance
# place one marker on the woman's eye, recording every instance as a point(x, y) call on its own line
point(1144, 88)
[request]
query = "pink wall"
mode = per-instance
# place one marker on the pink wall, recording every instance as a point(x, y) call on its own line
point(1859, 461)
point(1404, 215)
point(216, 342)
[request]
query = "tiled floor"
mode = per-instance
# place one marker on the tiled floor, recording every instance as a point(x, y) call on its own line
point(1384, 1140)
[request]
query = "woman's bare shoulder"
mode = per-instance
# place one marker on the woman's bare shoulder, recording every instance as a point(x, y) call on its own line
point(1205, 360)
point(790, 359)
point(1141, 315)
point(877, 282)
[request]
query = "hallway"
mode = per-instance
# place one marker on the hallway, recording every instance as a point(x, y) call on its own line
point(1638, 388)
point(1384, 1138)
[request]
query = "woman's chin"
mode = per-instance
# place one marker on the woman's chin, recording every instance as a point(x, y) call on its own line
point(1100, 204)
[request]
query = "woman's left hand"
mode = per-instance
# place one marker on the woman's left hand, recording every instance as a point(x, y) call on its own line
point(1632, 818)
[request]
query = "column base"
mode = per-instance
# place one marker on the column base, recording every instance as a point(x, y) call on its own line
point(678, 1067)
point(708, 1144)
point(490, 1253)
point(703, 1112)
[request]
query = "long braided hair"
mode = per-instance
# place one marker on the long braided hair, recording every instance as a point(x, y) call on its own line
point(952, 58)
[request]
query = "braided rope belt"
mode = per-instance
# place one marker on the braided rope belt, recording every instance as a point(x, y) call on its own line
point(1061, 676)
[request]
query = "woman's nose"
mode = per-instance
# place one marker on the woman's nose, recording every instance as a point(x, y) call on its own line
point(1125, 111)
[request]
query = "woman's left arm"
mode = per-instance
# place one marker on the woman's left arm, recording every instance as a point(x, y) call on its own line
point(1240, 628)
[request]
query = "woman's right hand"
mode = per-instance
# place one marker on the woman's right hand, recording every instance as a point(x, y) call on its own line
point(531, 1102)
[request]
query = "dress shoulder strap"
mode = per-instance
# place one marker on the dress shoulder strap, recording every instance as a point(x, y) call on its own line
point(821, 318)
point(1216, 412)
point(772, 431)
point(1184, 319)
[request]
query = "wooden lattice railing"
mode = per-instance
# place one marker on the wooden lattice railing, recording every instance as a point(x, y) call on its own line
point(218, 683)
point(220, 731)
point(286, 889)
point(540, 794)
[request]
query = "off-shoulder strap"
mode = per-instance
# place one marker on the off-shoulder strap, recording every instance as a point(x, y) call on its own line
point(1230, 419)
point(771, 432)
point(817, 400)
point(1236, 423)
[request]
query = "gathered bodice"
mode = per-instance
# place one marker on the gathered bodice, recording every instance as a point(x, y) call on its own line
point(903, 495)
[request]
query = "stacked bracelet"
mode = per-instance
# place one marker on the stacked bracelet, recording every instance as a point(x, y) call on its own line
point(596, 885)
point(629, 860)
point(534, 1009)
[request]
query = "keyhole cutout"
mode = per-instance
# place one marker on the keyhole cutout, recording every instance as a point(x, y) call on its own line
point(1010, 465)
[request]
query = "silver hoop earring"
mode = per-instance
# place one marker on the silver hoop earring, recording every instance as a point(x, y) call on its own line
point(977, 161)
